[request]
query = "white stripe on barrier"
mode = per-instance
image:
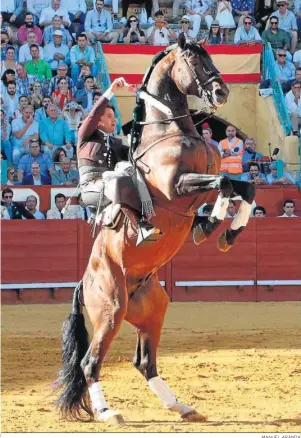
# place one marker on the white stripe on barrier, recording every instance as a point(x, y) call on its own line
point(43, 285)
point(36, 285)
point(215, 283)
point(279, 282)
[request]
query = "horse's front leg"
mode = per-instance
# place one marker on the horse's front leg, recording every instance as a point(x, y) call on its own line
point(196, 183)
point(247, 191)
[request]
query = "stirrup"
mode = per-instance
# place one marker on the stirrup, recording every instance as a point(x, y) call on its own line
point(147, 234)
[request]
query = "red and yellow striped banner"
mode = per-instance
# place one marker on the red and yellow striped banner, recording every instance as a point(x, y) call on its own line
point(237, 64)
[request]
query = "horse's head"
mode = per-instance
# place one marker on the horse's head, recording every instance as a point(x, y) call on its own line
point(194, 73)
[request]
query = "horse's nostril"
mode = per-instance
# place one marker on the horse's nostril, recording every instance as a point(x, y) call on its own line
point(220, 95)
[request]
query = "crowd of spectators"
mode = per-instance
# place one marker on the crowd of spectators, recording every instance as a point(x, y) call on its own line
point(49, 73)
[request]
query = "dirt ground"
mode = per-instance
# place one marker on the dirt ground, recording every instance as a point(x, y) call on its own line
point(238, 363)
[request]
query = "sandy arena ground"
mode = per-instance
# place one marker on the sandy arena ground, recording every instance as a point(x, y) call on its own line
point(238, 363)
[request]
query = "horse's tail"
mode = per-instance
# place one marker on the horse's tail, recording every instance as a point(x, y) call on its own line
point(74, 396)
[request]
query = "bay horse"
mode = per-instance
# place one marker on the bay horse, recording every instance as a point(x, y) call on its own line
point(121, 280)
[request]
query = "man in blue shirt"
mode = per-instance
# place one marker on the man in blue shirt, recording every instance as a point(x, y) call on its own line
point(254, 175)
point(272, 178)
point(80, 55)
point(24, 166)
point(287, 22)
point(285, 70)
point(247, 34)
point(250, 154)
point(54, 132)
point(56, 53)
point(99, 25)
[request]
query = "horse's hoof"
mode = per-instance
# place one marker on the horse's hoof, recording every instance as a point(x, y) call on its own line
point(194, 417)
point(110, 417)
point(222, 243)
point(198, 235)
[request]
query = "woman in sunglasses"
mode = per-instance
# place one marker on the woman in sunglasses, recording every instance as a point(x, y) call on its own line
point(11, 173)
point(132, 34)
point(185, 28)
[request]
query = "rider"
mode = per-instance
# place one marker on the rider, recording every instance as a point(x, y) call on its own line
point(98, 152)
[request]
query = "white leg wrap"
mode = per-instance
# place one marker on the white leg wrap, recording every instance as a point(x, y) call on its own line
point(220, 208)
point(242, 217)
point(162, 391)
point(97, 397)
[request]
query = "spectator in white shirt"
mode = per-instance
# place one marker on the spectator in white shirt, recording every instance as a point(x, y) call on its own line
point(288, 208)
point(185, 28)
point(195, 9)
point(160, 33)
point(24, 52)
point(36, 7)
point(55, 9)
point(297, 60)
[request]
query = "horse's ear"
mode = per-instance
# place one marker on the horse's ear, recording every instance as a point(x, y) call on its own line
point(181, 41)
point(201, 42)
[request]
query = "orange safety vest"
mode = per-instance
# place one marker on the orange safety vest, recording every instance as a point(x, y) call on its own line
point(232, 164)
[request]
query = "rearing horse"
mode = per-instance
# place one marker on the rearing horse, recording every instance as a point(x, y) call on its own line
point(121, 281)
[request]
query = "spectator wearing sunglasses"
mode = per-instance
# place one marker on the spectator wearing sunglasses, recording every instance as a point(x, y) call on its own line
point(278, 38)
point(15, 209)
point(132, 34)
point(287, 22)
point(160, 33)
point(185, 28)
point(285, 70)
point(99, 25)
point(247, 34)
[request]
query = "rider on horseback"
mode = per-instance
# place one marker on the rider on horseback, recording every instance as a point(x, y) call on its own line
point(98, 152)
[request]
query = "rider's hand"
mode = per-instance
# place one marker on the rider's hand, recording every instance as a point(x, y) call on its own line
point(118, 84)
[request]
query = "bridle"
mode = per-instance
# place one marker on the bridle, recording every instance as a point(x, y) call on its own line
point(200, 87)
point(138, 124)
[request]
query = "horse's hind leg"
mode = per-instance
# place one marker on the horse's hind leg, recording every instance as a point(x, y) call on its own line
point(193, 183)
point(247, 191)
point(146, 312)
point(106, 304)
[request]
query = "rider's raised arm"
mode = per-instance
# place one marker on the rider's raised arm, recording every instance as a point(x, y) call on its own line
point(89, 125)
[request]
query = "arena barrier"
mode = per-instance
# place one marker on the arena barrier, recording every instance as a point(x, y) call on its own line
point(42, 262)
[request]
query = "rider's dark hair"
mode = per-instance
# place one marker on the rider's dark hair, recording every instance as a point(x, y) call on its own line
point(111, 106)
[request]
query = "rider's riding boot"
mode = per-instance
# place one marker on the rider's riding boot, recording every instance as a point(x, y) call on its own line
point(203, 227)
point(147, 233)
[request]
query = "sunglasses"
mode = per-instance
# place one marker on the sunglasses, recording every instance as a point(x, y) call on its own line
point(134, 21)
point(281, 56)
point(11, 172)
point(185, 22)
point(274, 22)
point(8, 197)
point(248, 22)
point(280, 6)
